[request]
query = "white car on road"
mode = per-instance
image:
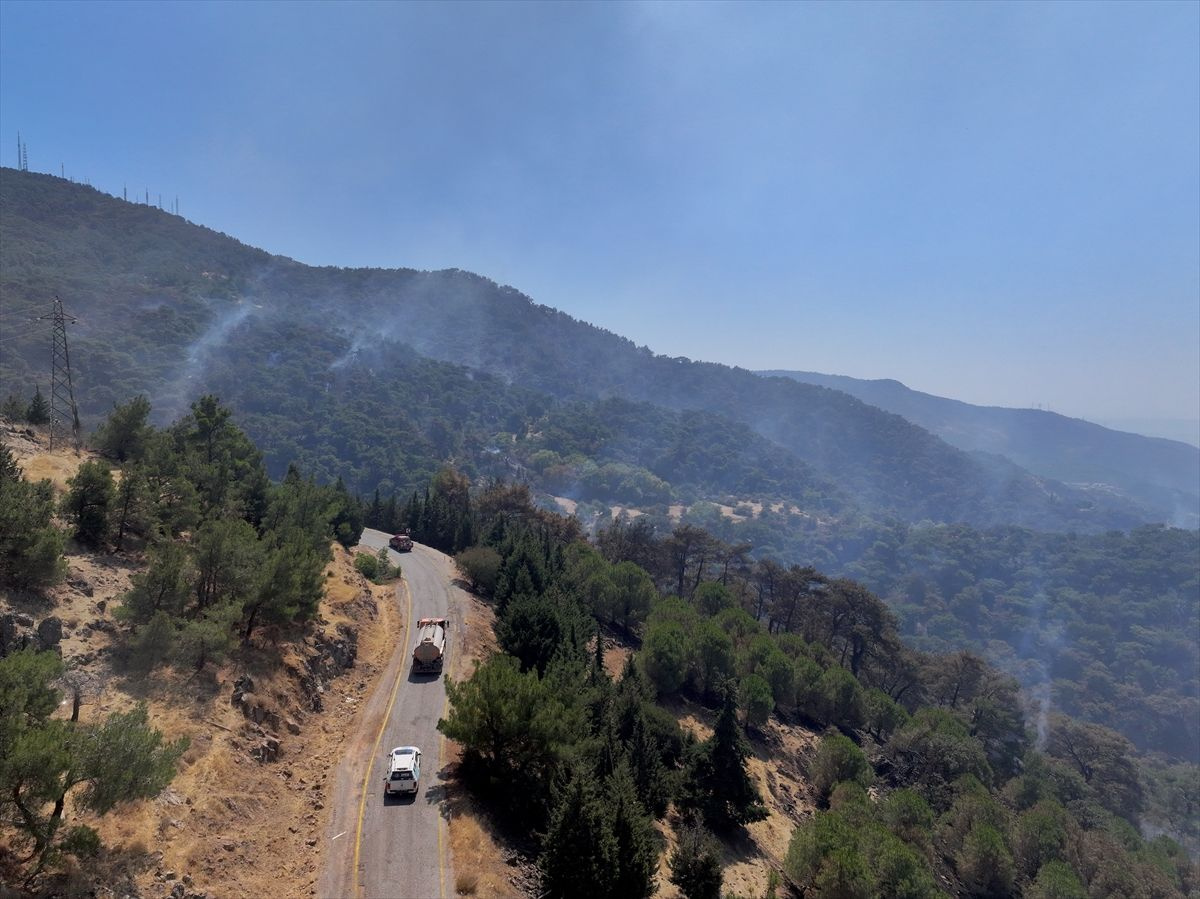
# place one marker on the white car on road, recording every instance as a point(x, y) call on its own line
point(404, 771)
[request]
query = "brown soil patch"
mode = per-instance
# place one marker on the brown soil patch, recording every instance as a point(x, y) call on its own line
point(568, 506)
point(238, 827)
point(234, 826)
point(779, 752)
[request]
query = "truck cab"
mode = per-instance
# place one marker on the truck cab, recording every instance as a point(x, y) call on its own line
point(404, 771)
point(401, 543)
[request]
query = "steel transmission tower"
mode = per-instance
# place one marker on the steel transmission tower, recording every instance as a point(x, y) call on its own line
point(62, 396)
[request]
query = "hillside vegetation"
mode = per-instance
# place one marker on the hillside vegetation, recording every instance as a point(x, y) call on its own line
point(379, 377)
point(172, 310)
point(1163, 474)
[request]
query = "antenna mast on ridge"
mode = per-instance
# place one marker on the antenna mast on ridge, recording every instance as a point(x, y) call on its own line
point(62, 395)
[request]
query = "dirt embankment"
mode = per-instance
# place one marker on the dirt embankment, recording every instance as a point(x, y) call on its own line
point(244, 816)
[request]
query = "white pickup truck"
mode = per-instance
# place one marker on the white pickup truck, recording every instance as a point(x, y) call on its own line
point(404, 771)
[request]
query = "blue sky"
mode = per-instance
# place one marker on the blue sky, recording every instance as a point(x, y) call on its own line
point(994, 202)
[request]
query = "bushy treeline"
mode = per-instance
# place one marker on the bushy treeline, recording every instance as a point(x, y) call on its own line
point(586, 759)
point(227, 550)
point(31, 547)
point(1104, 622)
point(960, 796)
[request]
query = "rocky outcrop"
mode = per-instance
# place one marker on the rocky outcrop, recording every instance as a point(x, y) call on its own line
point(327, 657)
point(17, 632)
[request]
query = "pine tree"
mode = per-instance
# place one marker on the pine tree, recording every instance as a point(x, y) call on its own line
point(720, 786)
point(695, 866)
point(43, 760)
point(635, 837)
point(131, 506)
point(88, 501)
point(123, 435)
point(38, 412)
point(579, 856)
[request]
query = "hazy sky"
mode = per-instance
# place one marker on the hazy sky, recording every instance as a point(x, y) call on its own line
point(994, 202)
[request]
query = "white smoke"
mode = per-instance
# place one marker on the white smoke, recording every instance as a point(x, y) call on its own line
point(187, 383)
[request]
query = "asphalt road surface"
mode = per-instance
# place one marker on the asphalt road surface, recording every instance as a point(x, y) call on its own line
point(396, 848)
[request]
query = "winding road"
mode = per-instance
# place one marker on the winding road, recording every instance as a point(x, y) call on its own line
point(397, 848)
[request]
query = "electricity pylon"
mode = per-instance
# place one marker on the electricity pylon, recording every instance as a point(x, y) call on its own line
point(62, 396)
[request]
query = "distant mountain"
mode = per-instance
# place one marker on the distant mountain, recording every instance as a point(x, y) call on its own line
point(1162, 474)
point(377, 375)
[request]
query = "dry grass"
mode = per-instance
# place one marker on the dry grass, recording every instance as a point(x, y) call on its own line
point(775, 766)
point(56, 468)
point(466, 884)
point(239, 828)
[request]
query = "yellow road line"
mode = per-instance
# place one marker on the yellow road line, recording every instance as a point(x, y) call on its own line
point(387, 716)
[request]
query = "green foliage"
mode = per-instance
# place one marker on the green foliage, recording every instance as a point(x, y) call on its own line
point(81, 841)
point(481, 566)
point(228, 559)
point(1042, 834)
point(717, 783)
point(1103, 758)
point(31, 547)
point(633, 593)
point(9, 470)
point(665, 656)
point(695, 865)
point(512, 725)
point(38, 411)
point(883, 714)
point(907, 815)
point(984, 864)
point(207, 638)
point(758, 700)
point(844, 852)
point(537, 629)
point(932, 751)
point(579, 854)
point(823, 855)
point(154, 643)
point(164, 585)
point(837, 759)
point(13, 408)
point(839, 698)
point(712, 659)
point(124, 434)
point(712, 597)
point(366, 565)
point(90, 496)
point(637, 842)
point(45, 759)
point(1056, 880)
point(290, 585)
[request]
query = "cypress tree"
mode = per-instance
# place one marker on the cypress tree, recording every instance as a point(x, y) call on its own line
point(634, 835)
point(579, 855)
point(720, 786)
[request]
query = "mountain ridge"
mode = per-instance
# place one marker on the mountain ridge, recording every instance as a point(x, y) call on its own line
point(1160, 472)
point(159, 298)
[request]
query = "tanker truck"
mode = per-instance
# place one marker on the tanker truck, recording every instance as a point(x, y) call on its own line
point(430, 650)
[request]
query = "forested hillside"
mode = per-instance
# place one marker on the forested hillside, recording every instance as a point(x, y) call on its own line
point(379, 377)
point(1163, 474)
point(967, 796)
point(161, 313)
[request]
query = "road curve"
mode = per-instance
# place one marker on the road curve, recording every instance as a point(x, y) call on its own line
point(396, 848)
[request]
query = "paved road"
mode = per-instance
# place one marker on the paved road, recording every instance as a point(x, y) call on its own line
point(396, 848)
